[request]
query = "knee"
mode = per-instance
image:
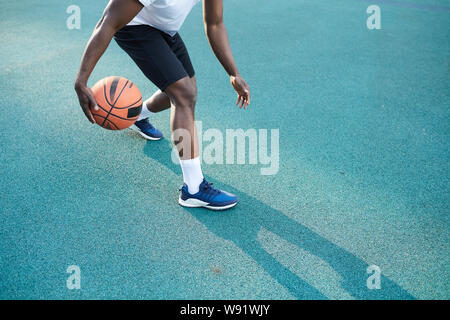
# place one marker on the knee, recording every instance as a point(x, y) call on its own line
point(183, 93)
point(186, 97)
point(189, 96)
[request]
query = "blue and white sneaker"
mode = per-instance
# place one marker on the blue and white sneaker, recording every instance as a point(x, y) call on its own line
point(207, 197)
point(146, 129)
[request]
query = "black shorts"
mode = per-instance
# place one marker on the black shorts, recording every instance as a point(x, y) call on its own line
point(162, 58)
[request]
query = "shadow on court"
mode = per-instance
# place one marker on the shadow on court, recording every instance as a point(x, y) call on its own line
point(242, 224)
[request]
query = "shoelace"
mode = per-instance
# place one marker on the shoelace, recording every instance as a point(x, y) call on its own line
point(208, 188)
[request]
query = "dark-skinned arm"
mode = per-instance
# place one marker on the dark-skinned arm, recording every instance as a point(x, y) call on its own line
point(218, 39)
point(116, 15)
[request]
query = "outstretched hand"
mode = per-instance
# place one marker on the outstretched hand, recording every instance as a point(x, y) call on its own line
point(242, 89)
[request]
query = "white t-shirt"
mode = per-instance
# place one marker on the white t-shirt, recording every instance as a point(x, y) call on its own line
point(165, 15)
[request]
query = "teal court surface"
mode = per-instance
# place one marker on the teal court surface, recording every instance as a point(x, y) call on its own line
point(363, 179)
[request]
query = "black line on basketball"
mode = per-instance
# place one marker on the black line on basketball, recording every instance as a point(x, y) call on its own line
point(115, 102)
point(102, 117)
point(129, 105)
point(113, 115)
point(110, 122)
point(120, 92)
point(112, 90)
point(99, 105)
point(104, 93)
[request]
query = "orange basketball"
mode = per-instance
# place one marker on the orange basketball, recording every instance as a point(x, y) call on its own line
point(119, 103)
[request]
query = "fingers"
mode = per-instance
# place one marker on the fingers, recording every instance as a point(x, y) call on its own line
point(243, 100)
point(247, 98)
point(92, 102)
point(87, 113)
point(240, 101)
point(86, 104)
point(243, 91)
point(248, 94)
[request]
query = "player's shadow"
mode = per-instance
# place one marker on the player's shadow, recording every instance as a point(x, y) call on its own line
point(242, 224)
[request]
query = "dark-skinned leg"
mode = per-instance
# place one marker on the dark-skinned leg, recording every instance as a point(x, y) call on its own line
point(196, 192)
point(159, 101)
point(183, 96)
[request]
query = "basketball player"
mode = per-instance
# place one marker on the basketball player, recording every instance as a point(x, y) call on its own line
point(147, 30)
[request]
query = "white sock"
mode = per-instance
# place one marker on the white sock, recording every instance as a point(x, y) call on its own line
point(192, 174)
point(145, 113)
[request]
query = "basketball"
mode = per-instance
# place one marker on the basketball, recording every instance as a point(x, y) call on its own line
point(119, 103)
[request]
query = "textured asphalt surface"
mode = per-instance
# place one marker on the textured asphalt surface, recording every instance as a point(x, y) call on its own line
point(363, 119)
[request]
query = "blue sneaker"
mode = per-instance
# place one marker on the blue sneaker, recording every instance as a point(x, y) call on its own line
point(207, 197)
point(146, 129)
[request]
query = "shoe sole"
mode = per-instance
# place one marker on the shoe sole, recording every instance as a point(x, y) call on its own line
point(136, 129)
point(194, 203)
